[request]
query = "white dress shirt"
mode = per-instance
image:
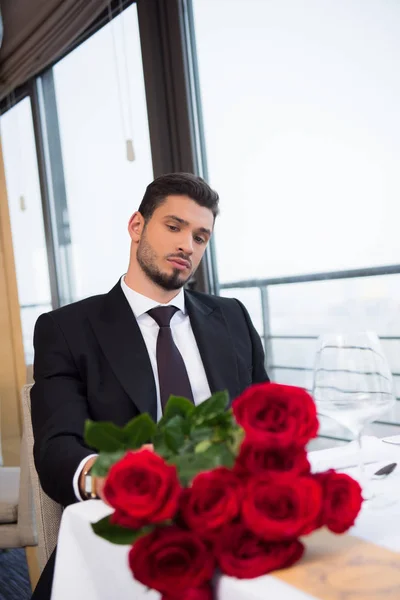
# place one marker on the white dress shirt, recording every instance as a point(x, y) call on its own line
point(184, 339)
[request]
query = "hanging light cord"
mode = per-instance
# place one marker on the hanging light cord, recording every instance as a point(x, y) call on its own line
point(127, 126)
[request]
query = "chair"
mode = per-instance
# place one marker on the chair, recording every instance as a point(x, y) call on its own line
point(48, 513)
point(17, 521)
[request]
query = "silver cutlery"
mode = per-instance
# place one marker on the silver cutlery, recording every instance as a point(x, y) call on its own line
point(371, 462)
point(386, 470)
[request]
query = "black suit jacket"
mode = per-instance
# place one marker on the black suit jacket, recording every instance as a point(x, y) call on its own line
point(91, 362)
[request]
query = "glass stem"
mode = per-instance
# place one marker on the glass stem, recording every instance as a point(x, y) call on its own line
point(361, 467)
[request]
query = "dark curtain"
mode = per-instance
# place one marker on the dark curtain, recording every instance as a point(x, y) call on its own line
point(37, 32)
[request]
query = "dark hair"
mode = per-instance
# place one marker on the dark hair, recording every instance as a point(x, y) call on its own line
point(178, 184)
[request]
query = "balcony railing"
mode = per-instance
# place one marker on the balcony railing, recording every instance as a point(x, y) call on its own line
point(264, 286)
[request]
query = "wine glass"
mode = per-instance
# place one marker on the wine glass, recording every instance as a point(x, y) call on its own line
point(352, 383)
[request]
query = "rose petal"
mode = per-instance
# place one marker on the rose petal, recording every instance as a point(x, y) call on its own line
point(241, 553)
point(144, 487)
point(279, 506)
point(171, 560)
point(276, 416)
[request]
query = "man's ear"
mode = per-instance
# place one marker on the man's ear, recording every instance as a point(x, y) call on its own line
point(136, 226)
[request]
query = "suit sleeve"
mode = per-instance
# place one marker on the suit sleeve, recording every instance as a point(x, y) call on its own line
point(259, 373)
point(59, 410)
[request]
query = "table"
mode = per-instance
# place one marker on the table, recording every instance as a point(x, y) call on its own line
point(89, 568)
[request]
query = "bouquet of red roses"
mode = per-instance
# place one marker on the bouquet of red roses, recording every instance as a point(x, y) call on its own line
point(223, 490)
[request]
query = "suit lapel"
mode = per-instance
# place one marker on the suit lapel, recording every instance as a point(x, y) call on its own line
point(121, 341)
point(215, 345)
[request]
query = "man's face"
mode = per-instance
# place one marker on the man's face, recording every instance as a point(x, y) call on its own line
point(173, 241)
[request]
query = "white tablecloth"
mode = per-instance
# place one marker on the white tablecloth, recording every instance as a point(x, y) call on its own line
point(89, 568)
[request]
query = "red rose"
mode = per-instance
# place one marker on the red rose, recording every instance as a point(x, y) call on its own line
point(276, 416)
point(171, 561)
point(254, 459)
point(278, 506)
point(242, 554)
point(341, 500)
point(202, 593)
point(212, 501)
point(143, 488)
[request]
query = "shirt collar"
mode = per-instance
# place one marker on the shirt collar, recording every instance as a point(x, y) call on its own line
point(141, 304)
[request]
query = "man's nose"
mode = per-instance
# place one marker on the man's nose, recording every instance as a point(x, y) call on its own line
point(186, 245)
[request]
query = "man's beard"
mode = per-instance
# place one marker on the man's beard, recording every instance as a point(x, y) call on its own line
point(147, 258)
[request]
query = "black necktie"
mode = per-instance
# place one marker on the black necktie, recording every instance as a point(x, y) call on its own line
point(172, 374)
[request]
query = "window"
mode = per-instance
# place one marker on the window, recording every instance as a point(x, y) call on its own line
point(102, 188)
point(302, 134)
point(26, 217)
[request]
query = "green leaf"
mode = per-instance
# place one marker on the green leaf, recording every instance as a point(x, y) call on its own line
point(186, 425)
point(189, 465)
point(160, 445)
point(235, 440)
point(202, 446)
point(105, 461)
point(227, 419)
point(220, 456)
point(117, 534)
point(222, 420)
point(104, 436)
point(173, 433)
point(212, 407)
point(224, 428)
point(139, 431)
point(176, 405)
point(199, 434)
point(187, 447)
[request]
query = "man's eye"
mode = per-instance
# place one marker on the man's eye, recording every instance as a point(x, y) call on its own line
point(173, 228)
point(199, 240)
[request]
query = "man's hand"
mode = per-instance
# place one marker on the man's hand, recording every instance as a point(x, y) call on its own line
point(99, 481)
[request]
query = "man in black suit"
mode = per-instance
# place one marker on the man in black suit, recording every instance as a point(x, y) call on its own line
point(100, 358)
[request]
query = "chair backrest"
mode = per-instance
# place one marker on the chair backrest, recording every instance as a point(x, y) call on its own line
point(48, 513)
point(27, 531)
